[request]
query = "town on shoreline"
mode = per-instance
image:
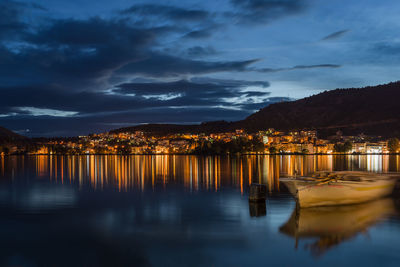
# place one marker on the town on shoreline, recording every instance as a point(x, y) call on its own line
point(238, 142)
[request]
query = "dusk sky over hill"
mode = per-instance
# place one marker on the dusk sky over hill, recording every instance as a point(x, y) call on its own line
point(74, 67)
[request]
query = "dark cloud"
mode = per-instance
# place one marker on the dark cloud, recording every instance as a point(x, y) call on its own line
point(194, 23)
point(86, 103)
point(202, 92)
point(75, 52)
point(104, 121)
point(265, 11)
point(196, 89)
point(203, 98)
point(255, 93)
point(70, 75)
point(10, 19)
point(386, 48)
point(386, 53)
point(230, 82)
point(167, 12)
point(334, 35)
point(84, 53)
point(37, 6)
point(92, 32)
point(161, 65)
point(299, 67)
point(200, 34)
point(201, 51)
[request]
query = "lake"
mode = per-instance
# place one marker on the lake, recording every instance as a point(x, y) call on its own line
point(186, 211)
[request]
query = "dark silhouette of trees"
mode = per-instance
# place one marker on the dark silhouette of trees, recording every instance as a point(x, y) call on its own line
point(272, 150)
point(343, 148)
point(393, 145)
point(239, 145)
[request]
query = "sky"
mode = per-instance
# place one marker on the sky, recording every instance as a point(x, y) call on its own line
point(70, 67)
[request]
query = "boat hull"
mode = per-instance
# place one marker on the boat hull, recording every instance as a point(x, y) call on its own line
point(341, 192)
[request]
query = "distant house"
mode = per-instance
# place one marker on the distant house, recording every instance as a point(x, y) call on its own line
point(379, 147)
point(359, 148)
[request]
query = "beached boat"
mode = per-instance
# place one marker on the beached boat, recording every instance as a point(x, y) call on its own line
point(340, 188)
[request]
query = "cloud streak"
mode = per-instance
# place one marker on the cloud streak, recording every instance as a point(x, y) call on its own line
point(162, 65)
point(167, 12)
point(201, 51)
point(265, 11)
point(300, 67)
point(335, 35)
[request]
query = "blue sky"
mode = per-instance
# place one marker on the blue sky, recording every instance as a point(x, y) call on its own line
point(75, 67)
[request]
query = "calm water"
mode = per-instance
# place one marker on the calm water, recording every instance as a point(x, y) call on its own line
point(185, 211)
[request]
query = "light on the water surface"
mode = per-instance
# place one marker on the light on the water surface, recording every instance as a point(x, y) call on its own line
point(129, 207)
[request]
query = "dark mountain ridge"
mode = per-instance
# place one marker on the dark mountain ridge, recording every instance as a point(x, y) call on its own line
point(164, 129)
point(7, 136)
point(372, 110)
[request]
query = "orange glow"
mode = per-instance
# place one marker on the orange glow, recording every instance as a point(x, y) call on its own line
point(125, 173)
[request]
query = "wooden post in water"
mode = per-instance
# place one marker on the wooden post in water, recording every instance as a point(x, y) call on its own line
point(258, 192)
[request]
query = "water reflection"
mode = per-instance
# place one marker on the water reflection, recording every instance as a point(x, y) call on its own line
point(194, 173)
point(333, 225)
point(257, 209)
point(174, 211)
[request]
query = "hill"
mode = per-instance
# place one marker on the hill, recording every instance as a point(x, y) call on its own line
point(372, 110)
point(163, 129)
point(7, 136)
